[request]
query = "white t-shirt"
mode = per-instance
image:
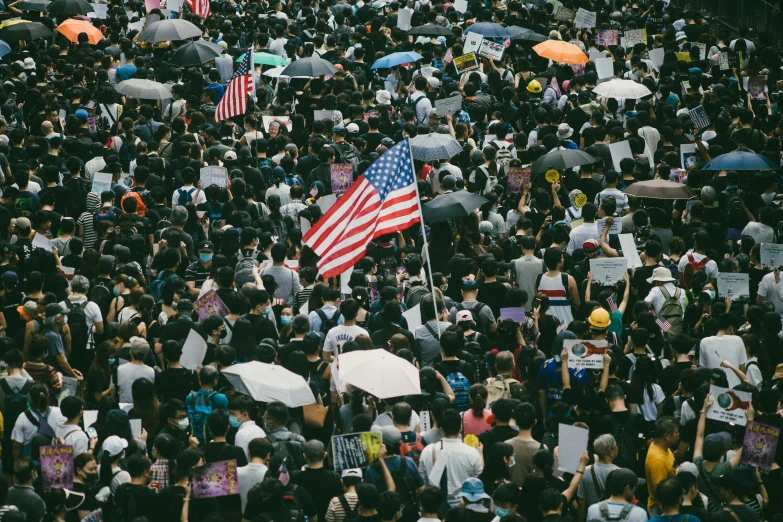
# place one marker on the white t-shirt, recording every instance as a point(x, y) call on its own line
point(648, 407)
point(127, 375)
point(248, 476)
point(340, 335)
point(74, 436)
point(198, 194)
point(767, 290)
point(730, 348)
point(637, 514)
point(711, 267)
point(24, 430)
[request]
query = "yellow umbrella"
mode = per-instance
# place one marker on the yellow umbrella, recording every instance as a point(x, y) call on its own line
point(561, 52)
point(72, 27)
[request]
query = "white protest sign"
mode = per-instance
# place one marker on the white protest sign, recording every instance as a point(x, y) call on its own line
point(99, 11)
point(345, 280)
point(90, 417)
point(619, 151)
point(584, 18)
point(101, 182)
point(319, 115)
point(413, 316)
point(126, 406)
point(174, 6)
point(608, 271)
point(733, 286)
point(452, 105)
point(460, 6)
point(135, 427)
point(729, 405)
point(326, 202)
point(633, 37)
point(304, 225)
point(472, 43)
point(585, 354)
point(604, 67)
point(628, 247)
point(193, 351)
point(616, 227)
point(702, 49)
point(656, 57)
point(404, 16)
point(40, 241)
point(214, 175)
point(771, 255)
point(491, 50)
point(570, 452)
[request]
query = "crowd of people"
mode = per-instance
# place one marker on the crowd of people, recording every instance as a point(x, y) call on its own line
point(101, 289)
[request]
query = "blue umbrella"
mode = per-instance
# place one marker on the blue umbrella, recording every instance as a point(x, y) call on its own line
point(489, 30)
point(740, 160)
point(394, 59)
point(4, 48)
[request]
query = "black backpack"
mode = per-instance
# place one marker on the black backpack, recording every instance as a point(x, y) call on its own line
point(101, 296)
point(475, 312)
point(632, 453)
point(15, 404)
point(77, 322)
point(77, 188)
point(290, 503)
point(290, 451)
point(327, 323)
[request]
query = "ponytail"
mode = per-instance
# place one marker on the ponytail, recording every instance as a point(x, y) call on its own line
point(478, 399)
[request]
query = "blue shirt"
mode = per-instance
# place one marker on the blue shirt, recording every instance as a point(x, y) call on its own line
point(219, 89)
point(373, 475)
point(550, 379)
point(315, 320)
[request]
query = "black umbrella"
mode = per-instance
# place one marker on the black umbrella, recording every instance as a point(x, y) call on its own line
point(530, 37)
point(452, 205)
point(309, 68)
point(34, 5)
point(196, 53)
point(430, 30)
point(561, 160)
point(69, 7)
point(22, 30)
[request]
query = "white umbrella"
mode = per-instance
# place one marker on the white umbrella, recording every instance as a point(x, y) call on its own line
point(618, 88)
point(429, 147)
point(269, 383)
point(275, 72)
point(144, 89)
point(379, 373)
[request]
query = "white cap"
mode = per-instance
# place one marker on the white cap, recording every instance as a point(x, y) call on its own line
point(114, 445)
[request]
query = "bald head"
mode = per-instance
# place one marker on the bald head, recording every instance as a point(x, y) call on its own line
point(504, 362)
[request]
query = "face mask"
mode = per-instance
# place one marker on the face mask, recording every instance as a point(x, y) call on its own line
point(446, 288)
point(501, 512)
point(115, 292)
point(205, 258)
point(111, 362)
point(183, 424)
point(234, 422)
point(65, 319)
point(268, 310)
point(91, 477)
point(286, 320)
point(513, 462)
point(223, 334)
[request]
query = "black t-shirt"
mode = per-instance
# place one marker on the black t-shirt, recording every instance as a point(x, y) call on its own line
point(322, 484)
point(89, 504)
point(135, 500)
point(639, 280)
point(256, 504)
point(589, 187)
point(373, 139)
point(219, 451)
point(447, 367)
point(175, 383)
point(496, 434)
point(670, 378)
point(493, 295)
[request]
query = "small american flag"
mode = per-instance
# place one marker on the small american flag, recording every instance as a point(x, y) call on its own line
point(612, 303)
point(283, 475)
point(448, 58)
point(234, 100)
point(562, 327)
point(663, 323)
point(314, 191)
point(507, 43)
point(199, 7)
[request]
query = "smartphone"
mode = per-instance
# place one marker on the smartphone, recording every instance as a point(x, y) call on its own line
point(92, 433)
point(536, 303)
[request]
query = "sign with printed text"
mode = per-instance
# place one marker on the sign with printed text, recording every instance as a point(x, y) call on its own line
point(733, 286)
point(452, 104)
point(729, 405)
point(56, 467)
point(608, 271)
point(355, 450)
point(616, 228)
point(472, 42)
point(771, 255)
point(209, 305)
point(702, 49)
point(466, 62)
point(585, 354)
point(584, 18)
point(723, 61)
point(342, 177)
point(699, 117)
point(491, 50)
point(282, 120)
point(606, 37)
point(517, 176)
point(213, 175)
point(216, 479)
point(101, 182)
point(759, 445)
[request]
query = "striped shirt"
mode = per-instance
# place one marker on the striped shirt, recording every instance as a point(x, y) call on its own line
point(196, 272)
point(336, 512)
point(87, 220)
point(559, 302)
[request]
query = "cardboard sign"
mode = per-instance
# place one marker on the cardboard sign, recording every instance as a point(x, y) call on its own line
point(570, 453)
point(759, 445)
point(57, 467)
point(729, 405)
point(466, 62)
point(608, 271)
point(217, 479)
point(628, 246)
point(193, 351)
point(516, 313)
point(619, 151)
point(355, 450)
point(771, 255)
point(342, 177)
point(491, 50)
point(101, 182)
point(584, 18)
point(404, 16)
point(607, 37)
point(517, 176)
point(635, 36)
point(733, 286)
point(209, 305)
point(585, 354)
point(616, 228)
point(452, 104)
point(472, 42)
point(699, 117)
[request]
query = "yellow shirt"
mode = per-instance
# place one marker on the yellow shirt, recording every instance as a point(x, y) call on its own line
point(658, 467)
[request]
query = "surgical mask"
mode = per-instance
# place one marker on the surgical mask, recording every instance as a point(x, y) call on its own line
point(115, 292)
point(65, 319)
point(711, 293)
point(268, 311)
point(205, 258)
point(501, 512)
point(111, 362)
point(286, 320)
point(234, 422)
point(512, 462)
point(183, 424)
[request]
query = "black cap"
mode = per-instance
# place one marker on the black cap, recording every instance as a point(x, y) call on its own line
point(206, 246)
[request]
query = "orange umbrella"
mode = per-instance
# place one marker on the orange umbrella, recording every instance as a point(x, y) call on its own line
point(561, 52)
point(72, 27)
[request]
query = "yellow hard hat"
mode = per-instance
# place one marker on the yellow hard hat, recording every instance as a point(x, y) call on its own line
point(534, 87)
point(599, 318)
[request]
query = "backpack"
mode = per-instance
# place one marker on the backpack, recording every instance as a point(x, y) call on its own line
point(632, 454)
point(672, 311)
point(199, 405)
point(126, 153)
point(15, 404)
point(407, 490)
point(489, 186)
point(503, 157)
point(317, 378)
point(327, 323)
point(77, 188)
point(43, 436)
point(415, 295)
point(459, 384)
point(243, 272)
point(413, 103)
point(141, 208)
point(479, 249)
point(603, 508)
point(265, 165)
point(101, 296)
point(499, 388)
point(290, 450)
point(350, 514)
point(475, 312)
point(156, 287)
point(105, 214)
point(411, 446)
point(691, 267)
point(77, 322)
point(733, 209)
point(185, 196)
point(347, 153)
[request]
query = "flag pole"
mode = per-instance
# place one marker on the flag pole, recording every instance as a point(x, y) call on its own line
point(424, 236)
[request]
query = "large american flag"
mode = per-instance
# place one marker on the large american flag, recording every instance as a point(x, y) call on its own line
point(199, 7)
point(383, 200)
point(234, 100)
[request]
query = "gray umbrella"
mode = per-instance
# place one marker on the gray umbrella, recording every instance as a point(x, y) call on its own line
point(196, 53)
point(561, 160)
point(166, 30)
point(309, 68)
point(430, 147)
point(143, 89)
point(452, 205)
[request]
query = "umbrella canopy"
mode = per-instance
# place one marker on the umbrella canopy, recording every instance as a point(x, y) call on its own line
point(277, 72)
point(394, 59)
point(144, 89)
point(452, 205)
point(16, 30)
point(618, 88)
point(530, 37)
point(561, 160)
point(561, 52)
point(659, 189)
point(69, 7)
point(34, 5)
point(72, 27)
point(309, 68)
point(739, 160)
point(269, 383)
point(4, 48)
point(430, 147)
point(266, 59)
point(380, 373)
point(173, 29)
point(489, 30)
point(196, 53)
point(430, 30)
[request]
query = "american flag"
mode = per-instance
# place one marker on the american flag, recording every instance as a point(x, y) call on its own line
point(283, 475)
point(663, 323)
point(612, 303)
point(199, 7)
point(562, 327)
point(234, 101)
point(383, 200)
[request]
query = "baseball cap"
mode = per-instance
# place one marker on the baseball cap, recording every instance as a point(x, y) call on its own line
point(469, 285)
point(715, 445)
point(591, 248)
point(391, 436)
point(352, 472)
point(114, 445)
point(352, 128)
point(230, 155)
point(53, 309)
point(620, 478)
point(390, 292)
point(9, 278)
point(464, 315)
point(22, 223)
point(338, 129)
point(139, 347)
point(206, 246)
point(82, 114)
